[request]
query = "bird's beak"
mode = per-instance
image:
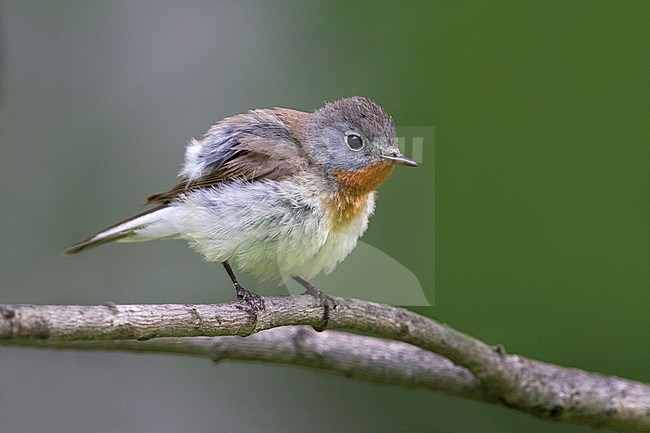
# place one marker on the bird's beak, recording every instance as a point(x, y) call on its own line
point(400, 159)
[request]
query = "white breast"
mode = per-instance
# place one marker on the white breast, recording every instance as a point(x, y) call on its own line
point(268, 229)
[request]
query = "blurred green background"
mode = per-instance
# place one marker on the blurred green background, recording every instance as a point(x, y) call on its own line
point(537, 188)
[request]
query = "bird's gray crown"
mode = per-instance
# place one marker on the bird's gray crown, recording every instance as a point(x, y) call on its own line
point(328, 128)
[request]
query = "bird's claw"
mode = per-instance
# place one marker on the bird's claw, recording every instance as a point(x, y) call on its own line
point(327, 302)
point(254, 301)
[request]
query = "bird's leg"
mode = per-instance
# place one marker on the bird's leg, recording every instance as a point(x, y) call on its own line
point(254, 301)
point(327, 302)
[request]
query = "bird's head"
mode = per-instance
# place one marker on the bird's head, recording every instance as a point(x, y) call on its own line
point(353, 142)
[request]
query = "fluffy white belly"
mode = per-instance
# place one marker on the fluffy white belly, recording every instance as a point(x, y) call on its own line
point(266, 230)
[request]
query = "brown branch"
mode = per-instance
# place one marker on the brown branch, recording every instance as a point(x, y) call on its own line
point(544, 390)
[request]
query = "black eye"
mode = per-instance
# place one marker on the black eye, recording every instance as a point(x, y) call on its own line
point(354, 142)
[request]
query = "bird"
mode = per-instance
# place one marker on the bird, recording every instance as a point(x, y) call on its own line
point(277, 193)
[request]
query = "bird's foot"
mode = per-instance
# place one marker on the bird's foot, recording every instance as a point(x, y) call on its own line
point(254, 301)
point(327, 302)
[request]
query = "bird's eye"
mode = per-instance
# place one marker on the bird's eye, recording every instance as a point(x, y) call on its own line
point(354, 142)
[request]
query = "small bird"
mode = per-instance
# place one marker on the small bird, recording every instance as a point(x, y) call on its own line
point(277, 193)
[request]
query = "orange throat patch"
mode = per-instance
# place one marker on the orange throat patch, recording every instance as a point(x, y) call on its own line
point(348, 203)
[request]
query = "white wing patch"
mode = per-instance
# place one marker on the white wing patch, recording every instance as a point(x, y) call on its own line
point(193, 167)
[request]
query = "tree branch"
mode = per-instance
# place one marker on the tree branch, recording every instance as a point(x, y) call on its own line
point(349, 355)
point(544, 390)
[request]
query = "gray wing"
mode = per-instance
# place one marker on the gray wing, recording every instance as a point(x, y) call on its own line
point(262, 144)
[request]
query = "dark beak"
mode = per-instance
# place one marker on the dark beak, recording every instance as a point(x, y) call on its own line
point(400, 159)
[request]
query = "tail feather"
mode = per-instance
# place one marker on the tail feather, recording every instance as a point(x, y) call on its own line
point(121, 230)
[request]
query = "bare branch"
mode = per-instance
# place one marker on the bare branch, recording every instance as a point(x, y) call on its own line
point(545, 390)
point(349, 355)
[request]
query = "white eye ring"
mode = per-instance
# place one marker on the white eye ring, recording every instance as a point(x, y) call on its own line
point(354, 141)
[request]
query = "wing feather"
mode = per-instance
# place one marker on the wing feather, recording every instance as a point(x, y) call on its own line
point(259, 145)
